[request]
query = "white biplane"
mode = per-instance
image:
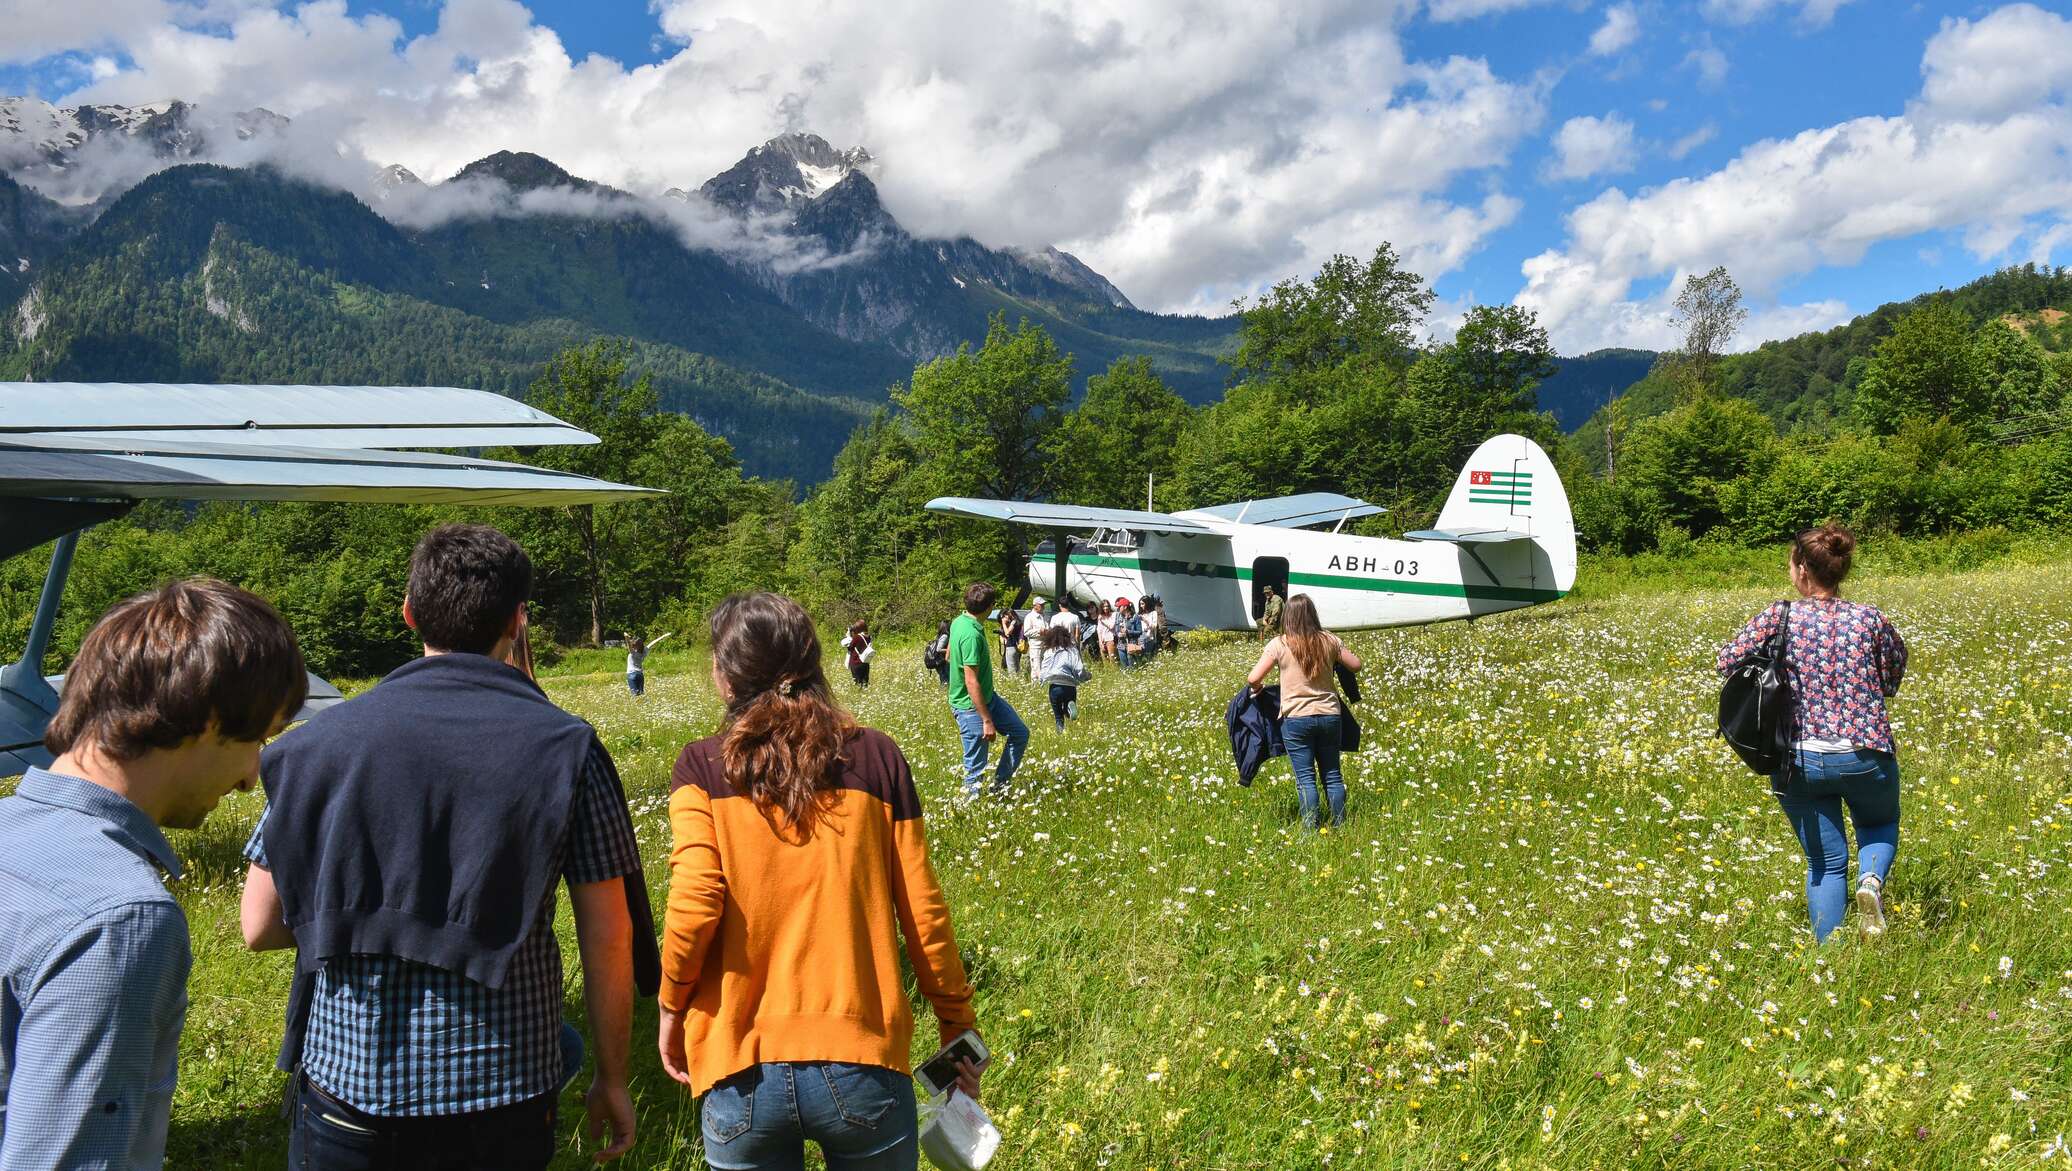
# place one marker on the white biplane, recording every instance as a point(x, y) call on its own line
point(1504, 540)
point(75, 454)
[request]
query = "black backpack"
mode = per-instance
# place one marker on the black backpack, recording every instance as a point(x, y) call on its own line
point(1755, 704)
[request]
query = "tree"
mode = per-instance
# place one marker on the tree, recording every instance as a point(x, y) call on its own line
point(1352, 312)
point(1925, 368)
point(1679, 461)
point(1127, 428)
point(983, 418)
point(2017, 379)
point(1708, 312)
point(1479, 384)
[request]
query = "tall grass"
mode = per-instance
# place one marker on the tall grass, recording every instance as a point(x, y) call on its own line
point(1561, 929)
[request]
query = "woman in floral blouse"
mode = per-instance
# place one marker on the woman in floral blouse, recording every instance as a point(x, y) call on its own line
point(1844, 660)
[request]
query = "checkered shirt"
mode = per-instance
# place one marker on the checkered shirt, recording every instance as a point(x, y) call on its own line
point(402, 1039)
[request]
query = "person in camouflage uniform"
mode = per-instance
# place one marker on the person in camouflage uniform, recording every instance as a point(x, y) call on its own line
point(1270, 622)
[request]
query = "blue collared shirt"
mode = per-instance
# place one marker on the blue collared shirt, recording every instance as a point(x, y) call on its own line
point(93, 978)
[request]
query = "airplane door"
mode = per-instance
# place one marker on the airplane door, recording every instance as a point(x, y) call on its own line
point(1267, 571)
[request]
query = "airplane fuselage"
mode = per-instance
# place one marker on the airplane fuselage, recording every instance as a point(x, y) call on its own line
point(1214, 581)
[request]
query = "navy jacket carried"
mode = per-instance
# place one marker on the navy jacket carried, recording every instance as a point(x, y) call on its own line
point(423, 820)
point(1255, 730)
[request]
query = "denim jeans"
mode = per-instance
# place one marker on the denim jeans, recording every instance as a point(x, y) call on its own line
point(972, 727)
point(1313, 748)
point(1062, 694)
point(862, 1116)
point(328, 1135)
point(1812, 790)
point(636, 682)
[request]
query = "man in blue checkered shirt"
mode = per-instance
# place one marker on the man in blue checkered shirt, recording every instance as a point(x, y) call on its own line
point(411, 849)
point(164, 710)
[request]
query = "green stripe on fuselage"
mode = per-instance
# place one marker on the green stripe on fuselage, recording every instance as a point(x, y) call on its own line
point(1336, 581)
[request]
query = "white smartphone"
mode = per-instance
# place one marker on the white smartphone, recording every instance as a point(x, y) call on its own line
point(939, 1072)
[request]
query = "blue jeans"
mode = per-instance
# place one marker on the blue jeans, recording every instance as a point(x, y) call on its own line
point(861, 1115)
point(636, 682)
point(1812, 790)
point(972, 727)
point(328, 1135)
point(1313, 748)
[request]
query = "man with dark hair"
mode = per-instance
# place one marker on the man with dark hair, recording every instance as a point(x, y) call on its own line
point(410, 850)
point(163, 712)
point(981, 713)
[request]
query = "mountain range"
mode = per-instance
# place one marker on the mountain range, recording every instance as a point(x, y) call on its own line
point(775, 303)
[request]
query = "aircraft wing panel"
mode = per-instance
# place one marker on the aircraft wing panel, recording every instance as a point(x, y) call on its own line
point(310, 416)
point(1294, 512)
point(1468, 537)
point(73, 466)
point(1064, 516)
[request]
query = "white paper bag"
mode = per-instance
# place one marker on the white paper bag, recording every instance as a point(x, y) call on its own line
point(868, 652)
point(959, 1135)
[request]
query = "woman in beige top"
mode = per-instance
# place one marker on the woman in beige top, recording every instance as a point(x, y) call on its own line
point(1305, 654)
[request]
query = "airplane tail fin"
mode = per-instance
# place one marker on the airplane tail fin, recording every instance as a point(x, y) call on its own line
point(1509, 484)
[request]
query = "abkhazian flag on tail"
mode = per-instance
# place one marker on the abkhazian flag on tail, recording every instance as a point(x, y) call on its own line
point(1512, 489)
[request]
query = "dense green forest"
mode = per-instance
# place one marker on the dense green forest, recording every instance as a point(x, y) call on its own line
point(1949, 415)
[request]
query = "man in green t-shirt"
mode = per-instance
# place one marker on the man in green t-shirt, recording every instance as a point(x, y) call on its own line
point(981, 713)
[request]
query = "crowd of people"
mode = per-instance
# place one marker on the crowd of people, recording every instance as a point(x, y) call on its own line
point(424, 1026)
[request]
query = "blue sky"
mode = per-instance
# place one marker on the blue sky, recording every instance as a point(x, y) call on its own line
point(1577, 156)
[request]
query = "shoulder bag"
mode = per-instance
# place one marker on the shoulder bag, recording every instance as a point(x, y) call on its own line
point(1755, 703)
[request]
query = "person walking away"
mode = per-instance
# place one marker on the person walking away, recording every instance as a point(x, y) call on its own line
point(1013, 644)
point(163, 713)
point(797, 855)
point(858, 643)
point(1311, 725)
point(937, 657)
point(1104, 627)
point(411, 845)
point(1064, 671)
point(1270, 621)
point(982, 715)
point(1844, 660)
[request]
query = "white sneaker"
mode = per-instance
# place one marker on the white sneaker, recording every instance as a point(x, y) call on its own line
point(1870, 904)
point(1072, 709)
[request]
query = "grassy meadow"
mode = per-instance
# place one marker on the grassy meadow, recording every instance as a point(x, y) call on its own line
point(1562, 927)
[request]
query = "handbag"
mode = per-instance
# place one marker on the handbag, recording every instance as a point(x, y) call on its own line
point(958, 1135)
point(1755, 703)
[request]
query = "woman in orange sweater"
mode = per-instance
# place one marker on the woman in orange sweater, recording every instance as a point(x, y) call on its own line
point(798, 860)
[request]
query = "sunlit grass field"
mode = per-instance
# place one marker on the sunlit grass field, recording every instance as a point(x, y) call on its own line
point(1562, 927)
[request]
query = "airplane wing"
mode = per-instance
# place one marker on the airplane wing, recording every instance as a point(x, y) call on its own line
point(1294, 512)
point(297, 416)
point(1064, 516)
point(1468, 536)
point(133, 469)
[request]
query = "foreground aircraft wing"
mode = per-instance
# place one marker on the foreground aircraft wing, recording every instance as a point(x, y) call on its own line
point(1294, 512)
point(298, 416)
point(1064, 516)
point(1468, 536)
point(131, 469)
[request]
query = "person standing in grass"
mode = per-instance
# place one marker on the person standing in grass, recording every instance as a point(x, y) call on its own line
point(1104, 626)
point(1063, 670)
point(1844, 660)
point(858, 643)
point(937, 657)
point(637, 649)
point(982, 715)
point(411, 849)
point(164, 711)
point(1014, 644)
point(1270, 621)
point(798, 861)
point(1129, 634)
point(1311, 713)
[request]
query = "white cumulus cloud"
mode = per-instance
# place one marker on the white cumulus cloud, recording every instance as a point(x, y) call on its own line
point(1192, 151)
point(1810, 13)
point(1996, 170)
point(1590, 145)
point(1620, 29)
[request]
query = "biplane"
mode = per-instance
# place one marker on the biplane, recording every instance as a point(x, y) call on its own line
point(1504, 540)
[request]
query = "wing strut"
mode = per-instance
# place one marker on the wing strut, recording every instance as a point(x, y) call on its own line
point(21, 684)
